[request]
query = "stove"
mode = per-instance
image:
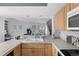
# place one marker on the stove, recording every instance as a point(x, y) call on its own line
point(70, 52)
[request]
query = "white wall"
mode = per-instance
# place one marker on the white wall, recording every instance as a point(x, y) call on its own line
point(52, 25)
point(31, 11)
point(18, 27)
point(2, 31)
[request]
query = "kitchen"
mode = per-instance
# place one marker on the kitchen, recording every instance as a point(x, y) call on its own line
point(39, 29)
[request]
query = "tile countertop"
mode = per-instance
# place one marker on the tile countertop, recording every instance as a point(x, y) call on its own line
point(60, 44)
point(8, 46)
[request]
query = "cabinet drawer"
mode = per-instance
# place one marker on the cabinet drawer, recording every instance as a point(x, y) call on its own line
point(24, 46)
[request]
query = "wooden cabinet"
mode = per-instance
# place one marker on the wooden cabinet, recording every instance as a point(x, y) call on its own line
point(36, 50)
point(48, 49)
point(27, 52)
point(32, 49)
point(54, 50)
point(74, 5)
point(17, 51)
point(55, 22)
point(67, 8)
point(60, 19)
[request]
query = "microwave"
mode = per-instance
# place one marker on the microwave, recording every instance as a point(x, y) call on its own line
point(73, 19)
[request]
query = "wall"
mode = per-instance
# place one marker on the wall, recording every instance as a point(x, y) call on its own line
point(18, 27)
point(52, 25)
point(32, 11)
point(15, 27)
point(2, 31)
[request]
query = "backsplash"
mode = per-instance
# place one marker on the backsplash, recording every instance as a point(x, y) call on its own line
point(64, 34)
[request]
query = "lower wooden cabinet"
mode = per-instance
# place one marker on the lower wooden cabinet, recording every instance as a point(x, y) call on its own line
point(27, 52)
point(54, 50)
point(48, 49)
point(36, 49)
point(33, 52)
point(17, 51)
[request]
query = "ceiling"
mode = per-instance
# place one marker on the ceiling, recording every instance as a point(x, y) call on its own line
point(23, 12)
point(23, 4)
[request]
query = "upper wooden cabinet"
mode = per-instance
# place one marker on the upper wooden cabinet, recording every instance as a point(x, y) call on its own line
point(67, 8)
point(55, 22)
point(60, 19)
point(74, 5)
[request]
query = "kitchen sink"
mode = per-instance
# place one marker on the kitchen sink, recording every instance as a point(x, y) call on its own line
point(29, 40)
point(70, 52)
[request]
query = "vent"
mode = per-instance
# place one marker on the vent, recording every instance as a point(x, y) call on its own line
point(23, 4)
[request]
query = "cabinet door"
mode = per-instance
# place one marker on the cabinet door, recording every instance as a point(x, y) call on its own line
point(48, 49)
point(17, 51)
point(74, 5)
point(33, 49)
point(55, 22)
point(36, 49)
point(33, 52)
point(66, 10)
point(61, 17)
point(27, 52)
point(38, 52)
point(59, 20)
point(54, 51)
